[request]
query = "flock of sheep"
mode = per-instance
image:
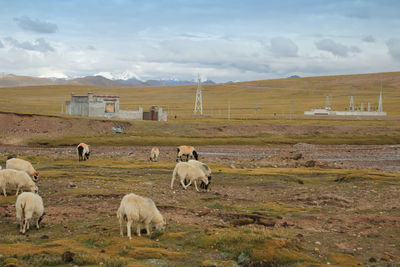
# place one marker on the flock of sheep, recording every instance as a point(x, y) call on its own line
point(21, 175)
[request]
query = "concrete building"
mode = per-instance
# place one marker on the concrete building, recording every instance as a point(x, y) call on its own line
point(107, 106)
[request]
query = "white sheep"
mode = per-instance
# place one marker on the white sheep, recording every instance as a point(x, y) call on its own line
point(29, 206)
point(187, 151)
point(139, 209)
point(19, 179)
point(206, 170)
point(83, 151)
point(184, 171)
point(155, 152)
point(22, 165)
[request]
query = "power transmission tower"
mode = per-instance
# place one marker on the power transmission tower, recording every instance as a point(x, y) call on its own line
point(380, 105)
point(198, 105)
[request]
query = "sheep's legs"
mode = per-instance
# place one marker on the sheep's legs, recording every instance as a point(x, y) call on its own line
point(128, 228)
point(195, 185)
point(186, 186)
point(148, 229)
point(121, 226)
point(37, 224)
point(4, 191)
point(138, 229)
point(17, 191)
point(24, 226)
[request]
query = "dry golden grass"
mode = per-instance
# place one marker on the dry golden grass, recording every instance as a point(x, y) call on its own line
point(270, 96)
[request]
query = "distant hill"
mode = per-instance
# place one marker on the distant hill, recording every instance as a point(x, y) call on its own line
point(11, 80)
point(94, 80)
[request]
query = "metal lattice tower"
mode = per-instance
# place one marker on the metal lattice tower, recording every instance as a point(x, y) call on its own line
point(380, 105)
point(351, 106)
point(198, 105)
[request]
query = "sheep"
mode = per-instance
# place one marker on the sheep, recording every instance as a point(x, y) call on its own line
point(83, 151)
point(29, 206)
point(20, 179)
point(187, 151)
point(206, 170)
point(155, 152)
point(184, 170)
point(22, 165)
point(139, 209)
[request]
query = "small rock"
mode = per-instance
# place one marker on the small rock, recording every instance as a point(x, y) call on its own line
point(317, 243)
point(316, 250)
point(44, 237)
point(68, 256)
point(300, 236)
point(372, 259)
point(233, 166)
point(102, 251)
point(71, 185)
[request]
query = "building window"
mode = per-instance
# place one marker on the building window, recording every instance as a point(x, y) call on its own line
point(110, 107)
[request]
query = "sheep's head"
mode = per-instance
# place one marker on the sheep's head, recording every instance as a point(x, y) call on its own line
point(35, 176)
point(87, 155)
point(34, 189)
point(161, 225)
point(204, 180)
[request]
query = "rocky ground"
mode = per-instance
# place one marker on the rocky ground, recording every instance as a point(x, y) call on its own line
point(370, 157)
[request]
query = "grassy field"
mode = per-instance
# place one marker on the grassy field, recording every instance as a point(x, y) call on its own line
point(269, 96)
point(252, 217)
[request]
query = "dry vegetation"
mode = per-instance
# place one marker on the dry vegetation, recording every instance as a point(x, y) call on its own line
point(270, 96)
point(252, 217)
point(265, 208)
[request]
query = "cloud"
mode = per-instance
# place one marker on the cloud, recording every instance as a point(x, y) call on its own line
point(35, 25)
point(91, 47)
point(283, 47)
point(369, 39)
point(40, 45)
point(394, 48)
point(1, 45)
point(335, 48)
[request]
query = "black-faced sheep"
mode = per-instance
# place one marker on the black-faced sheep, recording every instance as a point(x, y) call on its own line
point(139, 209)
point(206, 170)
point(22, 165)
point(83, 151)
point(29, 206)
point(186, 171)
point(19, 179)
point(155, 152)
point(187, 151)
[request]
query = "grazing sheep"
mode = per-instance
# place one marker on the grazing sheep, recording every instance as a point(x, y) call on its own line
point(83, 151)
point(155, 152)
point(184, 170)
point(20, 179)
point(22, 165)
point(206, 170)
point(187, 151)
point(29, 206)
point(139, 209)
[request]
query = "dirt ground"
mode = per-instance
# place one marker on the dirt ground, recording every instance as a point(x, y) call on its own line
point(327, 211)
point(370, 157)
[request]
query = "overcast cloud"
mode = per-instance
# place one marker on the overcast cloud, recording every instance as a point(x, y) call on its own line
point(394, 48)
point(283, 47)
point(40, 45)
point(337, 49)
point(222, 40)
point(35, 25)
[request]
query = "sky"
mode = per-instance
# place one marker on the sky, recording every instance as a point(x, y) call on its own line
point(221, 40)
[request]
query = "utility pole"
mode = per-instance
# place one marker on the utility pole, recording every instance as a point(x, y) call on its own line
point(198, 105)
point(291, 108)
point(229, 110)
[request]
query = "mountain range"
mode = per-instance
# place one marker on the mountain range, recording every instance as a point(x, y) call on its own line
point(11, 80)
